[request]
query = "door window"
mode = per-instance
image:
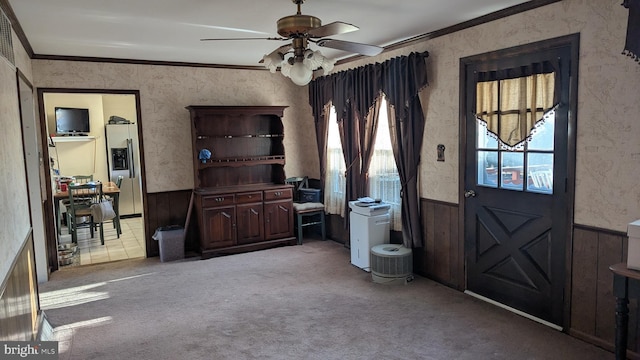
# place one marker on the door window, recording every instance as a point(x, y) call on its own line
point(528, 167)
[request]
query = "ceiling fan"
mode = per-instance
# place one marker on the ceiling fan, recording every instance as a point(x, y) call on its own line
point(295, 59)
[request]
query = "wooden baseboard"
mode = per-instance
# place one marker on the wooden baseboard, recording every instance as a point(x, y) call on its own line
point(601, 343)
point(207, 254)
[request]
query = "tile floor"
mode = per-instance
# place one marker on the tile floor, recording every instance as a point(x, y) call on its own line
point(130, 245)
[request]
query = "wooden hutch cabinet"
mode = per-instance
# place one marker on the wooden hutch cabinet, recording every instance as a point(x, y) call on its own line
point(242, 202)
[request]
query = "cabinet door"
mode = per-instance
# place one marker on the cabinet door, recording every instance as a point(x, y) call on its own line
point(250, 223)
point(278, 219)
point(219, 227)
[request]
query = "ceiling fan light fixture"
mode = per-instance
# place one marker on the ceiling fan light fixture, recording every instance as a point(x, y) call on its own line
point(273, 61)
point(299, 69)
point(285, 68)
point(315, 60)
point(295, 60)
point(327, 65)
point(300, 73)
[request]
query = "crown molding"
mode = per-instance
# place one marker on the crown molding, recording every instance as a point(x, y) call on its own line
point(516, 9)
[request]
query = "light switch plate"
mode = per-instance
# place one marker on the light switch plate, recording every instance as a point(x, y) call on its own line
point(440, 152)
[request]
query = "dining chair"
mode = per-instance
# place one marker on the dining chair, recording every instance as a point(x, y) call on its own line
point(81, 197)
point(76, 180)
point(298, 183)
point(82, 179)
point(307, 207)
point(115, 202)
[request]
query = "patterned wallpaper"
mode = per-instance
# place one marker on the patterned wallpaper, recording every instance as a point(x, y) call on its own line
point(608, 149)
point(23, 62)
point(164, 93)
point(14, 212)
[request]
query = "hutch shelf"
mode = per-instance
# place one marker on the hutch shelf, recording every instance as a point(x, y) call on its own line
point(242, 202)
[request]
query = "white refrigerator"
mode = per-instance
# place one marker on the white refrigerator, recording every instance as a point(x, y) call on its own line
point(123, 158)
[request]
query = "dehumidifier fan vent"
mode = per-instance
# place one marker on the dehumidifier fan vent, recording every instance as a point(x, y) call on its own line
point(391, 263)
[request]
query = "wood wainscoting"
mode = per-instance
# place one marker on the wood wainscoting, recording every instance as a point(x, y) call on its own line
point(19, 304)
point(442, 256)
point(592, 301)
point(170, 208)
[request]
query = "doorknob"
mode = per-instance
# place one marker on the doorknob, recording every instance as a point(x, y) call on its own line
point(469, 193)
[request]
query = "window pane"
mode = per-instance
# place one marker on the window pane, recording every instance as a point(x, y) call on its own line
point(488, 168)
point(484, 140)
point(540, 170)
point(542, 136)
point(384, 181)
point(511, 170)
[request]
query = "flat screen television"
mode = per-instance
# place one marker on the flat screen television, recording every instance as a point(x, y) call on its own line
point(72, 121)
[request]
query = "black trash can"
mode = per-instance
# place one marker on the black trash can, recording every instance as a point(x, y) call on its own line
point(171, 242)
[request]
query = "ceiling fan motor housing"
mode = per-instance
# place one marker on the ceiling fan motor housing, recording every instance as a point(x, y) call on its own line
point(296, 25)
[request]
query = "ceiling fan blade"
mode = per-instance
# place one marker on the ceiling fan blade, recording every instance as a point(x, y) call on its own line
point(364, 49)
point(227, 39)
point(334, 28)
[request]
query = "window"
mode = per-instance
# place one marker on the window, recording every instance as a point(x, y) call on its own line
point(334, 194)
point(384, 181)
point(515, 131)
point(532, 161)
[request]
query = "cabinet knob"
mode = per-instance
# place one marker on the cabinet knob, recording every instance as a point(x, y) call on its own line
point(278, 193)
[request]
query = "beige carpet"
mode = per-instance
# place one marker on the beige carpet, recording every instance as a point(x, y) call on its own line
point(294, 302)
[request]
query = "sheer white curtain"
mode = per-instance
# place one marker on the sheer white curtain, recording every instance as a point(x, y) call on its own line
point(334, 190)
point(384, 181)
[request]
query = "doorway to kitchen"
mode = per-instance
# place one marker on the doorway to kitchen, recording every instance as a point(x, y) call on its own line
point(93, 136)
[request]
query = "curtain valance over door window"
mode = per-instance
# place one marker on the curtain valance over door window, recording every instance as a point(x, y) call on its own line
point(512, 102)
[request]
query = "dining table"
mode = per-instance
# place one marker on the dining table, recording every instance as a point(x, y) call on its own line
point(109, 188)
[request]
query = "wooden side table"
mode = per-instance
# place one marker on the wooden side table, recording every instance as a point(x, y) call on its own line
point(626, 283)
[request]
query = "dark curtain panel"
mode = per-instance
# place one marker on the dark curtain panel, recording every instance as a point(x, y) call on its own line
point(364, 95)
point(358, 90)
point(354, 93)
point(350, 138)
point(632, 44)
point(368, 129)
point(320, 101)
point(403, 79)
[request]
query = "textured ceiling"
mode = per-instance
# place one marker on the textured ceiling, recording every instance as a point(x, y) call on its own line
point(170, 30)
